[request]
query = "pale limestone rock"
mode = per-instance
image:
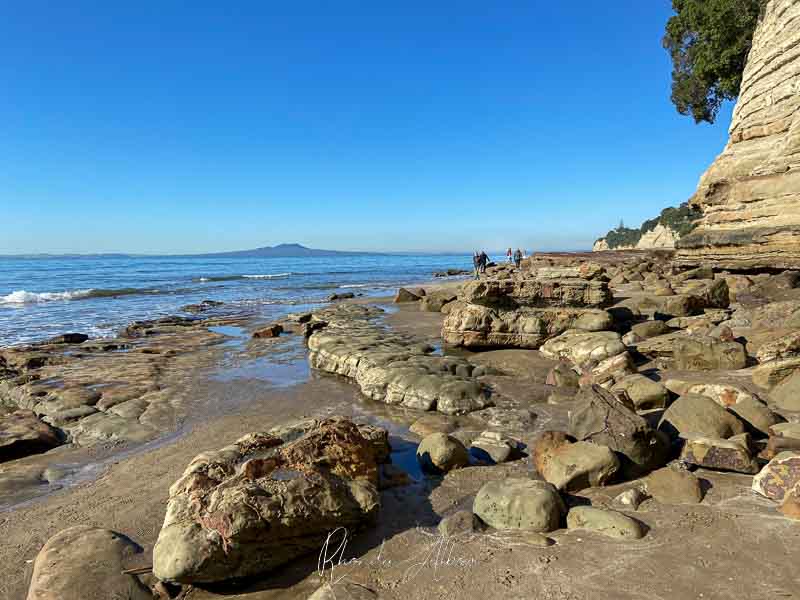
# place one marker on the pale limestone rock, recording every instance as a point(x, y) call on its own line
point(750, 196)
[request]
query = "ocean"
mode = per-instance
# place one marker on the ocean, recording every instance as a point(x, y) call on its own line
point(44, 297)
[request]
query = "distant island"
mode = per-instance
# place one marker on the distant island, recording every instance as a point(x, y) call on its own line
point(279, 251)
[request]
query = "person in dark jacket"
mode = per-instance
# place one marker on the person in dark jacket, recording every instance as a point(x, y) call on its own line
point(484, 260)
point(517, 257)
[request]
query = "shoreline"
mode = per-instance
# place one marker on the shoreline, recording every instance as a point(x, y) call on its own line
point(66, 466)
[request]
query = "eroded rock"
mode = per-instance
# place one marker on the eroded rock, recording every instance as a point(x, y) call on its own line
point(601, 418)
point(394, 368)
point(265, 500)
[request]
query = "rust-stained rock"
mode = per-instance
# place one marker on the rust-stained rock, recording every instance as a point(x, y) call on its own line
point(779, 476)
point(265, 500)
point(719, 454)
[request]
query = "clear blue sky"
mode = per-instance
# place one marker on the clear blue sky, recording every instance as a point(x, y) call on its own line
point(201, 126)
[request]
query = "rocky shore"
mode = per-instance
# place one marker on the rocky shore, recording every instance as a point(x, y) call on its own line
point(549, 431)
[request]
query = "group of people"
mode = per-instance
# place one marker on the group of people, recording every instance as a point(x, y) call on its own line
point(515, 257)
point(481, 259)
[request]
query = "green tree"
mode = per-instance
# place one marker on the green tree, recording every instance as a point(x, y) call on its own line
point(708, 41)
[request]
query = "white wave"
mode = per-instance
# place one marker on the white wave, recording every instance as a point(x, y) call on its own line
point(204, 279)
point(359, 285)
point(270, 276)
point(25, 297)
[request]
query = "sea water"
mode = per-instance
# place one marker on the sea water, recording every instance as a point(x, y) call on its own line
point(43, 297)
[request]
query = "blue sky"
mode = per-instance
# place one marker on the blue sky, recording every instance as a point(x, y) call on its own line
point(201, 126)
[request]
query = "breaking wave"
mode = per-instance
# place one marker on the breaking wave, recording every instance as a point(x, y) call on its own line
point(238, 277)
point(25, 297)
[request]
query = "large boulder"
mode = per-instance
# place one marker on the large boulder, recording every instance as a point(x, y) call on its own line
point(519, 504)
point(22, 434)
point(643, 391)
point(579, 347)
point(265, 500)
point(576, 466)
point(601, 418)
point(85, 563)
point(700, 415)
point(436, 300)
point(708, 354)
point(477, 326)
point(439, 453)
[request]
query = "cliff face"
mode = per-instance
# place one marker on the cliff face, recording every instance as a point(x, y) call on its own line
point(660, 233)
point(660, 237)
point(750, 196)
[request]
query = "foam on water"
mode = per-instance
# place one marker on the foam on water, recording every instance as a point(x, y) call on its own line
point(43, 297)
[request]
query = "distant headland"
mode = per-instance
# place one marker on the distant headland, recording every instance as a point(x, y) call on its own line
point(279, 251)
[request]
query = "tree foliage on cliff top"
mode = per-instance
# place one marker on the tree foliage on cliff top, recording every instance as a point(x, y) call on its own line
point(681, 220)
point(708, 41)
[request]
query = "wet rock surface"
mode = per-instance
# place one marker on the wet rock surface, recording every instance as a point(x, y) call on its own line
point(394, 368)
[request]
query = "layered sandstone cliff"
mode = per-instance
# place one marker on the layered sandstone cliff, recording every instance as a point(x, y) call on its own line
point(660, 233)
point(750, 196)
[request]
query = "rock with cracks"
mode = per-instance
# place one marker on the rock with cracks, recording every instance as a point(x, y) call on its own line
point(265, 500)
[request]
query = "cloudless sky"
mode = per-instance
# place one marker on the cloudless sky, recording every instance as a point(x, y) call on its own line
point(191, 126)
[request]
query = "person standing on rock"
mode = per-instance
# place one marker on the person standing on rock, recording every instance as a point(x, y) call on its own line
point(476, 264)
point(518, 258)
point(484, 260)
point(509, 255)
